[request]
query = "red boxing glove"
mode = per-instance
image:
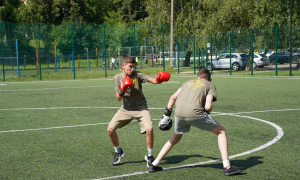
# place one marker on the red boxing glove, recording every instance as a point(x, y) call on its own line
point(127, 82)
point(162, 76)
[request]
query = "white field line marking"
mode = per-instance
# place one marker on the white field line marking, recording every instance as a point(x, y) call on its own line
point(105, 79)
point(58, 88)
point(274, 140)
point(3, 84)
point(250, 112)
point(267, 77)
point(237, 76)
point(14, 109)
point(213, 113)
point(22, 130)
point(59, 127)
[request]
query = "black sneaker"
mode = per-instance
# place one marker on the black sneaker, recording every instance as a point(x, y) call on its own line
point(118, 156)
point(153, 168)
point(232, 170)
point(149, 160)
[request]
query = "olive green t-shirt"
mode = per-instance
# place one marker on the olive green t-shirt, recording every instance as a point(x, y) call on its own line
point(134, 98)
point(188, 102)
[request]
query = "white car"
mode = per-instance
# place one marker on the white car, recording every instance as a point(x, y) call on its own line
point(260, 60)
point(238, 60)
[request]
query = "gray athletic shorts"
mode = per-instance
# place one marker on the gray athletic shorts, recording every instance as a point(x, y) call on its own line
point(204, 122)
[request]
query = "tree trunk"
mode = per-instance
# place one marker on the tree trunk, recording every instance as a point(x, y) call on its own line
point(248, 67)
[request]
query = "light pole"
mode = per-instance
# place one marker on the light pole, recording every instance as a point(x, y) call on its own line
point(291, 37)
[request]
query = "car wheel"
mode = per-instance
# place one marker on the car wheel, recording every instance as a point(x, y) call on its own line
point(235, 66)
point(254, 65)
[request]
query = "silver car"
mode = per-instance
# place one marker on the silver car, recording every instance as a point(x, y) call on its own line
point(260, 60)
point(238, 60)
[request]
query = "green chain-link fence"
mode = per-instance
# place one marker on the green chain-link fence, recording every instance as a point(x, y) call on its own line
point(83, 51)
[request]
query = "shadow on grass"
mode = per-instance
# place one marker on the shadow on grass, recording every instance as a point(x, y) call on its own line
point(179, 158)
point(248, 163)
point(130, 162)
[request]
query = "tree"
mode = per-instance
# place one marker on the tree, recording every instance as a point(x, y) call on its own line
point(131, 10)
point(9, 10)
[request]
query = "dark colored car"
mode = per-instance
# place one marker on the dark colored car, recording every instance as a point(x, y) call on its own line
point(283, 57)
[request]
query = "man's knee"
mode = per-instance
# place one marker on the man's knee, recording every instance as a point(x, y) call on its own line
point(110, 131)
point(149, 131)
point(219, 129)
point(175, 139)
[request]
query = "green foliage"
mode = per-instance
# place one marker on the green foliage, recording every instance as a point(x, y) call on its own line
point(9, 13)
point(131, 10)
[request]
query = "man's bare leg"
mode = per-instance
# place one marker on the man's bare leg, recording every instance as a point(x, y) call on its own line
point(222, 141)
point(149, 138)
point(113, 137)
point(168, 146)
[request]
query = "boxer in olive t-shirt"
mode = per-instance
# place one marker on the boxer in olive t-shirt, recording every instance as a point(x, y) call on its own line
point(193, 104)
point(134, 107)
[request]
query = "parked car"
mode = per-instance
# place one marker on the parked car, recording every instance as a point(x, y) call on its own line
point(297, 52)
point(283, 57)
point(260, 60)
point(238, 60)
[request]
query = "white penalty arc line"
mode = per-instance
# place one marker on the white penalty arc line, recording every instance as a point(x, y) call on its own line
point(279, 135)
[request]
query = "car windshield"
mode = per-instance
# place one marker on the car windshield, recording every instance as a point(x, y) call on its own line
point(244, 56)
point(262, 55)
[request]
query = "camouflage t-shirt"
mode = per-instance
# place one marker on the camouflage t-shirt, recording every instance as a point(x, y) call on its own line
point(134, 98)
point(188, 102)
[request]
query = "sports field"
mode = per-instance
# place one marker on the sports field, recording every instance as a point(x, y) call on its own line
point(57, 130)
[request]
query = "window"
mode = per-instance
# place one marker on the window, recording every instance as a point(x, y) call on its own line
point(222, 56)
point(244, 56)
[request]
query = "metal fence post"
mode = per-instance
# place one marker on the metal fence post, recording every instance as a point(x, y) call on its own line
point(73, 53)
point(199, 59)
point(178, 62)
point(104, 26)
point(134, 45)
point(17, 53)
point(39, 51)
point(194, 49)
point(276, 31)
point(163, 46)
point(252, 52)
point(2, 48)
point(211, 64)
point(230, 51)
